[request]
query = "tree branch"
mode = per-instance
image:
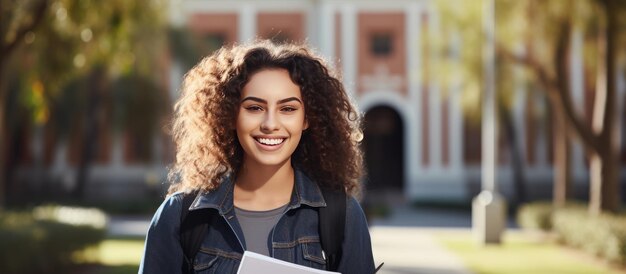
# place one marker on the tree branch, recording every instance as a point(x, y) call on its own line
point(609, 63)
point(38, 15)
point(585, 133)
point(557, 93)
point(529, 61)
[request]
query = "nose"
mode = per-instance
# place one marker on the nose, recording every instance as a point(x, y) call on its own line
point(270, 123)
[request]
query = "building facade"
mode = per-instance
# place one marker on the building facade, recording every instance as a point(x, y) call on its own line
point(419, 140)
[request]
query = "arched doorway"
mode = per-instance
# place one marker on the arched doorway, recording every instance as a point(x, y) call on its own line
point(383, 146)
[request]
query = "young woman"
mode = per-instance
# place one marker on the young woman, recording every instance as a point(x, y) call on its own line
point(260, 129)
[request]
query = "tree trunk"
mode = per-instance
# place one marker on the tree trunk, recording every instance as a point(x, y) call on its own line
point(3, 133)
point(562, 168)
point(36, 16)
point(517, 161)
point(599, 140)
point(564, 118)
point(90, 134)
point(604, 192)
point(2, 156)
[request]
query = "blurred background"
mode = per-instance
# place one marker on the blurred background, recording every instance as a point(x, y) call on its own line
point(87, 89)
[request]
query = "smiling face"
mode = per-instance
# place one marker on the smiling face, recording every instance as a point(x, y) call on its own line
point(270, 119)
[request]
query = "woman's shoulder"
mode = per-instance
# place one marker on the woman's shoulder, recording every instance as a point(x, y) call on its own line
point(170, 208)
point(352, 204)
point(356, 221)
point(174, 200)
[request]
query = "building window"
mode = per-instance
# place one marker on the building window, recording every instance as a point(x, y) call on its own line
point(381, 44)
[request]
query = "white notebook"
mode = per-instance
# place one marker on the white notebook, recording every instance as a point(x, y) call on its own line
point(255, 263)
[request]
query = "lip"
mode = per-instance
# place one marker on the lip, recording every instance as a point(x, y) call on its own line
point(265, 147)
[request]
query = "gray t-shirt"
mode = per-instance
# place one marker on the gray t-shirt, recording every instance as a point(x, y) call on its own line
point(256, 226)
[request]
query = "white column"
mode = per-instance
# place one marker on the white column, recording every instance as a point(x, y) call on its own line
point(434, 96)
point(455, 125)
point(413, 138)
point(37, 148)
point(327, 31)
point(314, 18)
point(176, 13)
point(61, 168)
point(520, 103)
point(37, 145)
point(156, 173)
point(60, 162)
point(247, 23)
point(349, 47)
point(117, 151)
point(577, 82)
point(176, 80)
point(157, 149)
point(117, 166)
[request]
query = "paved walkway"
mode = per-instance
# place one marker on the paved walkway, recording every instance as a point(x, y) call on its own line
point(404, 241)
point(412, 250)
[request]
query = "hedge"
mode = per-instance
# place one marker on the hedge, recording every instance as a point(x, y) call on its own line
point(603, 235)
point(44, 239)
point(535, 216)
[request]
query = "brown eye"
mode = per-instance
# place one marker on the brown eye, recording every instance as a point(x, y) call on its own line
point(254, 108)
point(288, 109)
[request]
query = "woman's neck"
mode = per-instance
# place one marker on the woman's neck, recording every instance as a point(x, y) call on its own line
point(261, 187)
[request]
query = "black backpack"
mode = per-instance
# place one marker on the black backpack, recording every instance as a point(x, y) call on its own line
point(332, 218)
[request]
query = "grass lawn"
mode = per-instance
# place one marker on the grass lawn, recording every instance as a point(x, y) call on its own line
point(521, 253)
point(112, 256)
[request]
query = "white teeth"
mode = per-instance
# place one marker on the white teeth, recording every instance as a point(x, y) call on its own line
point(270, 142)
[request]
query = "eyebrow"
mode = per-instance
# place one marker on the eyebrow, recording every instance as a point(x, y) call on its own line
point(281, 101)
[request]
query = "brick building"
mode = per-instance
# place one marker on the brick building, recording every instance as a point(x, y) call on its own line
point(418, 139)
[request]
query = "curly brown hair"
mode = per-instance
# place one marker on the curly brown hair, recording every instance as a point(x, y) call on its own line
point(203, 123)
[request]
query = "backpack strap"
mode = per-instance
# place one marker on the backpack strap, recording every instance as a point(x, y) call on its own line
point(193, 228)
point(332, 222)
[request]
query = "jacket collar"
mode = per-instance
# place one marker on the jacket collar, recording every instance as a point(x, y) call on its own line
point(306, 192)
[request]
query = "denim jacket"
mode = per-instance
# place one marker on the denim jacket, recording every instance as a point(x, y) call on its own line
point(295, 238)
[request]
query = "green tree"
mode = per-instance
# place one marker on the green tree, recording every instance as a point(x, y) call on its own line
point(545, 29)
point(46, 44)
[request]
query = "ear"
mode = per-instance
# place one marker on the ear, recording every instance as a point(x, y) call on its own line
point(306, 124)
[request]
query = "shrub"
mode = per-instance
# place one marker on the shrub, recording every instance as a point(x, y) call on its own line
point(535, 216)
point(603, 235)
point(45, 241)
